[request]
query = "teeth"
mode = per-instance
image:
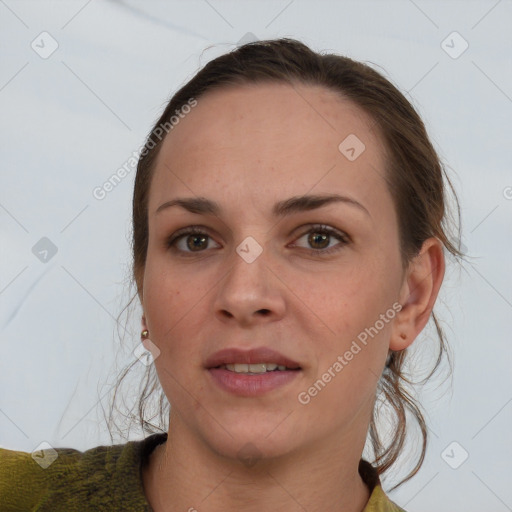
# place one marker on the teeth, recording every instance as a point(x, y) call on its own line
point(257, 368)
point(254, 368)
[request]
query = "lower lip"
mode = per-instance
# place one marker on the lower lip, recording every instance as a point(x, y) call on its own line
point(251, 385)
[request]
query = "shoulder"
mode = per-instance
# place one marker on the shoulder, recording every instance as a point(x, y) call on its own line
point(379, 501)
point(26, 479)
point(101, 478)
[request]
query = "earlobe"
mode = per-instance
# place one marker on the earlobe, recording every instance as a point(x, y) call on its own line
point(419, 293)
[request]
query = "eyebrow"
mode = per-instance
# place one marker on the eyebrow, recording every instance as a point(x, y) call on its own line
point(201, 205)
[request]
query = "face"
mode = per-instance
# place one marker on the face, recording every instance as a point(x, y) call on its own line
point(311, 288)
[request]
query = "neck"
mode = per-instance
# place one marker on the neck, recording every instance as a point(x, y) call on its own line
point(183, 474)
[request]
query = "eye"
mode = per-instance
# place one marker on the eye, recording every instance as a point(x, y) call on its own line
point(192, 239)
point(319, 236)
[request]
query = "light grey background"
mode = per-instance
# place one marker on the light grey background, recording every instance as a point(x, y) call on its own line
point(72, 119)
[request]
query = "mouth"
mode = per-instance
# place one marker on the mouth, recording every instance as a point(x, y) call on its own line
point(251, 373)
point(256, 369)
point(257, 361)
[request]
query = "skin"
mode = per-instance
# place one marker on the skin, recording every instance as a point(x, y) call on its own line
point(248, 147)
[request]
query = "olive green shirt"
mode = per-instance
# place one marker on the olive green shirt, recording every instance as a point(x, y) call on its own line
point(104, 478)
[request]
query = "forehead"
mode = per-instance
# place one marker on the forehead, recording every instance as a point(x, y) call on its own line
point(262, 139)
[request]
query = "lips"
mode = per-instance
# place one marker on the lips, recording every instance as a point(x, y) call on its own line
point(254, 356)
point(247, 373)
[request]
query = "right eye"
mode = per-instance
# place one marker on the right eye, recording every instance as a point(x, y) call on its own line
point(192, 239)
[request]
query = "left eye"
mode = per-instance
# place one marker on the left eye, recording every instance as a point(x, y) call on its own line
point(320, 235)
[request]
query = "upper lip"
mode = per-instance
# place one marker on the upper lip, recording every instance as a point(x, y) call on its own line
point(253, 356)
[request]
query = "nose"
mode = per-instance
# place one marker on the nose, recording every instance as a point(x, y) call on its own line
point(250, 293)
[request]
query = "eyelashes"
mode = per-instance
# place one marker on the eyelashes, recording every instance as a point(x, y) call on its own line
point(199, 235)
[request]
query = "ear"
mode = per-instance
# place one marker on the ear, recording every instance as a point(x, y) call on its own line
point(418, 294)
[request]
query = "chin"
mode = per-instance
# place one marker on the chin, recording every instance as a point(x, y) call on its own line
point(248, 445)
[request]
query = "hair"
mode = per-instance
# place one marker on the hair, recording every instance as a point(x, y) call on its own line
point(416, 178)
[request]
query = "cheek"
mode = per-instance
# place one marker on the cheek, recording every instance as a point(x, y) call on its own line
point(349, 361)
point(352, 319)
point(173, 322)
point(169, 304)
point(346, 299)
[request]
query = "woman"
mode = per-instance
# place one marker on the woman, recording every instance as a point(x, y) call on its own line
point(288, 237)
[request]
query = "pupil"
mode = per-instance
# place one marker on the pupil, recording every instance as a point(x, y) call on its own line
point(318, 237)
point(195, 245)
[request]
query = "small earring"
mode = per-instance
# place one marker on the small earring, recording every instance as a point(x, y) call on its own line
point(144, 334)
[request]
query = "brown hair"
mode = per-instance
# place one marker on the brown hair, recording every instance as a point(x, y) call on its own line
point(416, 178)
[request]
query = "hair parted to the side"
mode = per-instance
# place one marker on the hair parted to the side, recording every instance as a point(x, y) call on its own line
point(415, 176)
